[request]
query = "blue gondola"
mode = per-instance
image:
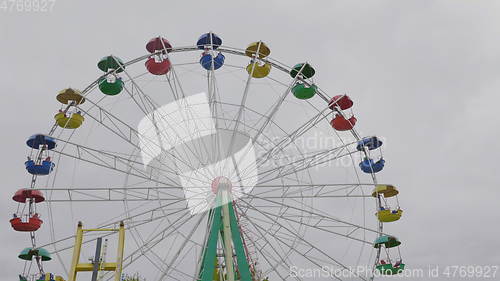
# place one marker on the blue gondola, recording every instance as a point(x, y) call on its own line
point(43, 169)
point(368, 165)
point(209, 39)
point(36, 140)
point(206, 61)
point(371, 143)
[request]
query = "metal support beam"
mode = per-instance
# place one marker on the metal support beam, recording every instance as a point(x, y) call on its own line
point(76, 252)
point(97, 259)
point(210, 253)
point(241, 258)
point(97, 265)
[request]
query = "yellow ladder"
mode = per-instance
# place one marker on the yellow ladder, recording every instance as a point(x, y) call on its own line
point(117, 266)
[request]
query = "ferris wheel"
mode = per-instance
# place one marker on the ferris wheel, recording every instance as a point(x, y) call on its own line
point(220, 164)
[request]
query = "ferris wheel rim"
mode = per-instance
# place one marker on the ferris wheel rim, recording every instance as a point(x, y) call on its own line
point(188, 49)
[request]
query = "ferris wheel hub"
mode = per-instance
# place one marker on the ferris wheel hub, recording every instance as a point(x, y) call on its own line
point(221, 183)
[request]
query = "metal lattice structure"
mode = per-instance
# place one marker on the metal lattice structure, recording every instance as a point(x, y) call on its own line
point(308, 207)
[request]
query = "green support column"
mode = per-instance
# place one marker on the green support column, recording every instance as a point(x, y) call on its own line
point(210, 253)
point(228, 219)
point(243, 266)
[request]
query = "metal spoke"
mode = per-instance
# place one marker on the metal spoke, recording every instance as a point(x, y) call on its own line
point(290, 138)
point(315, 213)
point(311, 245)
point(324, 228)
point(153, 241)
point(150, 107)
point(306, 162)
point(276, 107)
point(279, 255)
point(160, 193)
point(117, 162)
point(183, 244)
point(150, 216)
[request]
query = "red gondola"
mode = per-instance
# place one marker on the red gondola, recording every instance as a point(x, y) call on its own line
point(342, 101)
point(157, 44)
point(33, 223)
point(158, 67)
point(23, 194)
point(339, 123)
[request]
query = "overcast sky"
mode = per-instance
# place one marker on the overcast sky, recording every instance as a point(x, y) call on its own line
point(423, 74)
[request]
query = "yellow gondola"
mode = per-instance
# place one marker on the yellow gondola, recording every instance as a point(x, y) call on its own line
point(386, 190)
point(389, 215)
point(259, 70)
point(69, 95)
point(74, 121)
point(263, 49)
